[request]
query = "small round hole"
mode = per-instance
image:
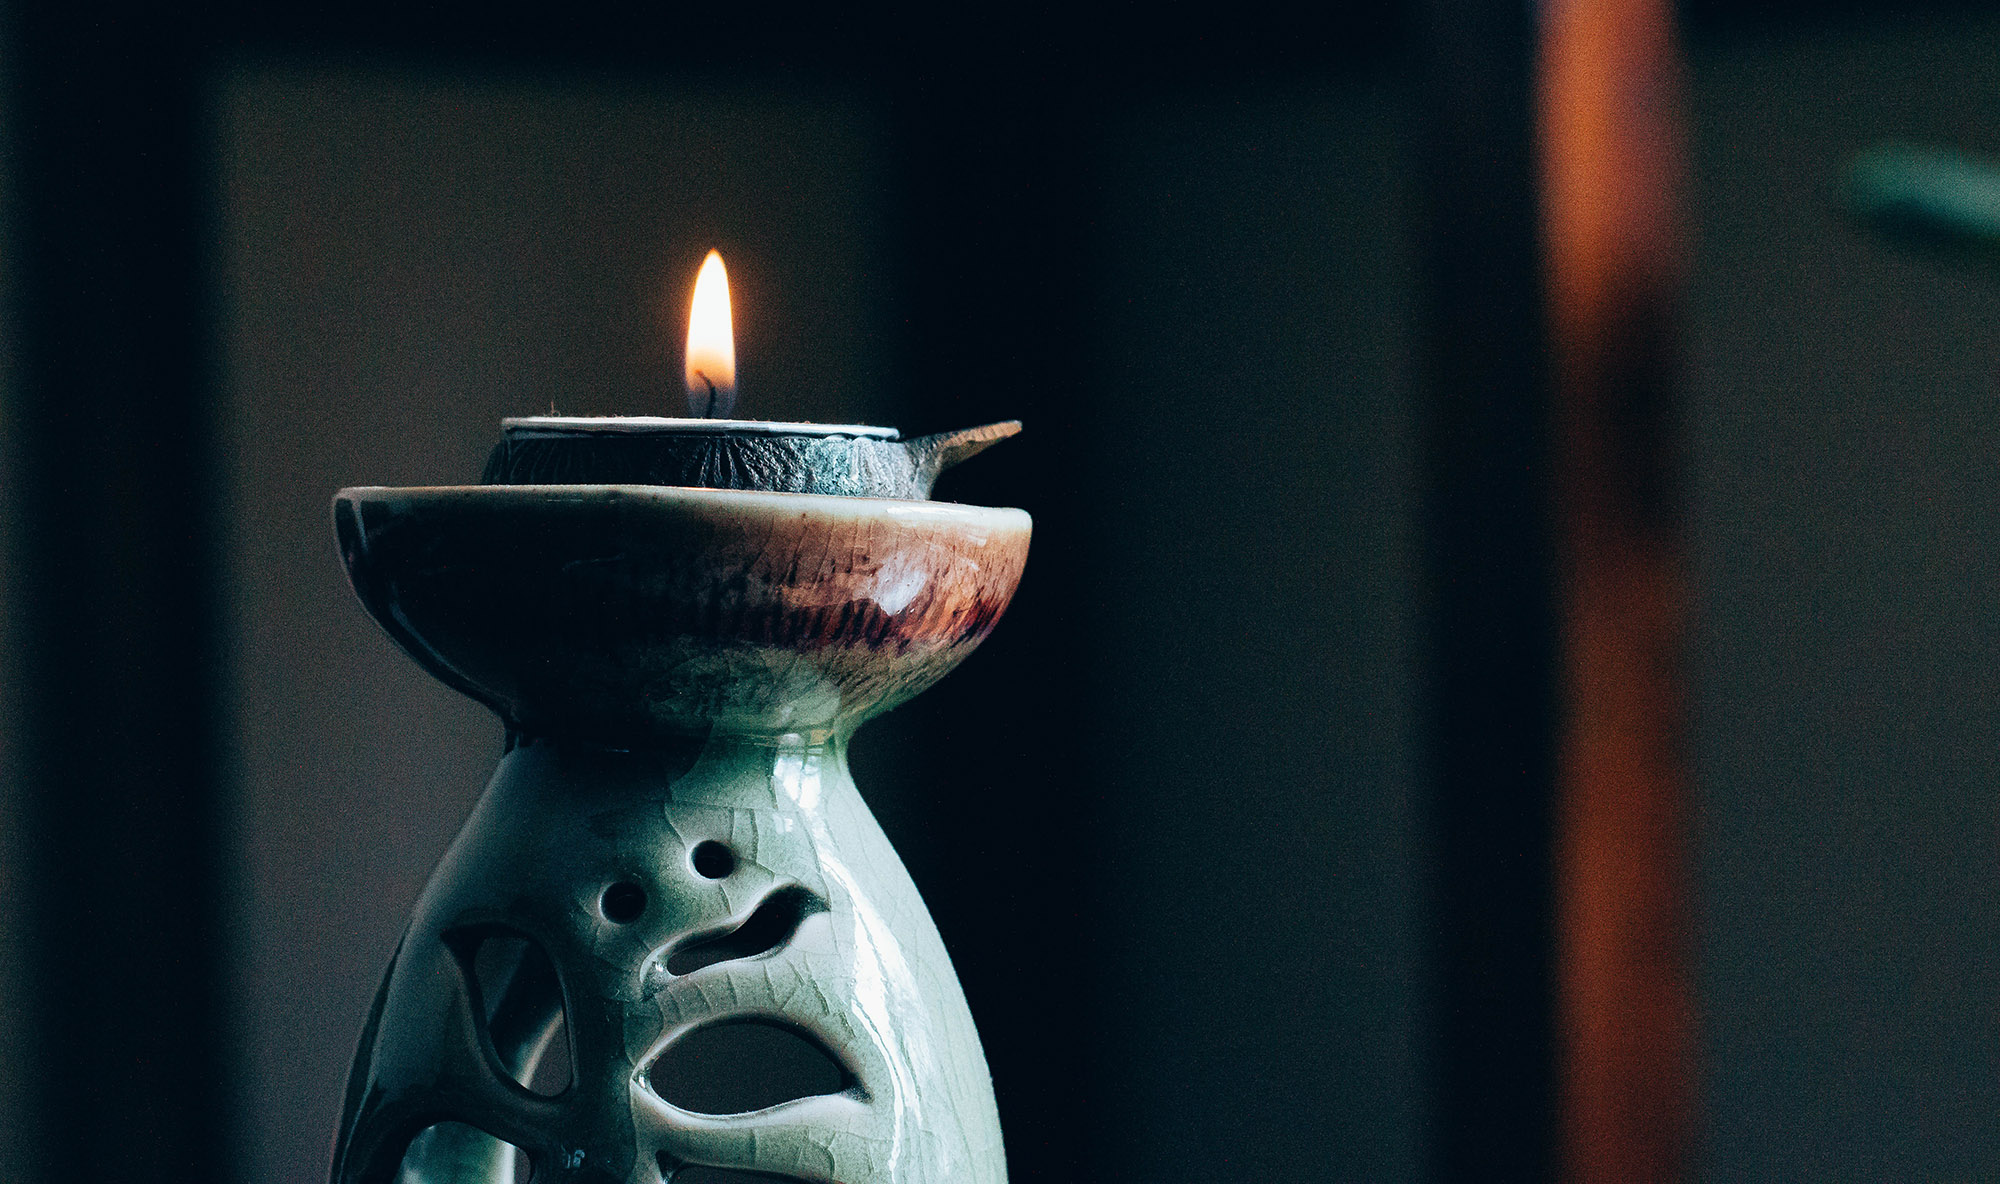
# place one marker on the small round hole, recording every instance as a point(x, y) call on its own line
point(713, 860)
point(623, 902)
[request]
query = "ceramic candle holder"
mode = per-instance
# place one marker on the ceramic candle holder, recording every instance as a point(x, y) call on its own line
point(672, 844)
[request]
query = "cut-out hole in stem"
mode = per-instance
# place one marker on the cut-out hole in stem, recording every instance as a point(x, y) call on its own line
point(623, 903)
point(455, 1151)
point(521, 1005)
point(712, 860)
point(742, 1065)
point(768, 928)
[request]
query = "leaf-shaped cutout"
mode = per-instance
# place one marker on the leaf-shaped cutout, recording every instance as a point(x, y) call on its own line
point(737, 1066)
point(766, 929)
point(521, 1004)
point(453, 1151)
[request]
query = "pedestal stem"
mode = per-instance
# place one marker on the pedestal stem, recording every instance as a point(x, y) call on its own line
point(733, 880)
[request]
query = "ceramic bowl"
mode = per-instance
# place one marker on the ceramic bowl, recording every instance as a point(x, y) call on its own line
point(626, 614)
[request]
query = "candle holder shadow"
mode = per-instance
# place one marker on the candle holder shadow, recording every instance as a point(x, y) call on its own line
point(672, 833)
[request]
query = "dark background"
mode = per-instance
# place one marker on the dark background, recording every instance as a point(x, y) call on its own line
point(1238, 830)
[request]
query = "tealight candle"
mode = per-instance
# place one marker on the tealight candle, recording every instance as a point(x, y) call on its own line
point(705, 450)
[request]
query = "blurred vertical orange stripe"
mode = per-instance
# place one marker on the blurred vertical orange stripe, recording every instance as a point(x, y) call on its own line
point(1612, 170)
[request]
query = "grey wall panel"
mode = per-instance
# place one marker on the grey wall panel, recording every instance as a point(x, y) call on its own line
point(1844, 402)
point(1257, 576)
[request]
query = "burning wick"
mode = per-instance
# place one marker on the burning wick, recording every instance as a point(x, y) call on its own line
point(707, 408)
point(711, 344)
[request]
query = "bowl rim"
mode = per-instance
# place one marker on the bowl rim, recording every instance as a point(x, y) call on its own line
point(823, 505)
point(531, 427)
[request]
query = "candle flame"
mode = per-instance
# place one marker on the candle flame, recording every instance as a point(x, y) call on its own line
point(711, 344)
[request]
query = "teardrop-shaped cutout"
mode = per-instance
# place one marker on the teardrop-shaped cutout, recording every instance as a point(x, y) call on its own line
point(521, 1004)
point(738, 1066)
point(766, 929)
point(453, 1151)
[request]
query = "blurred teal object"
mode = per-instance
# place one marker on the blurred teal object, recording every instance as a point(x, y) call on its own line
point(1938, 197)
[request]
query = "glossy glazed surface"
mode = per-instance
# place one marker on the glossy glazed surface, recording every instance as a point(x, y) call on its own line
point(627, 614)
point(861, 971)
point(679, 670)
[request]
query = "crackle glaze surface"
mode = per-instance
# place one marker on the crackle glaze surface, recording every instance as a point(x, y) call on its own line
point(864, 973)
point(576, 612)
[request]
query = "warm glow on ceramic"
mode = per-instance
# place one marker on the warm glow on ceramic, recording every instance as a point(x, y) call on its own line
point(711, 344)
